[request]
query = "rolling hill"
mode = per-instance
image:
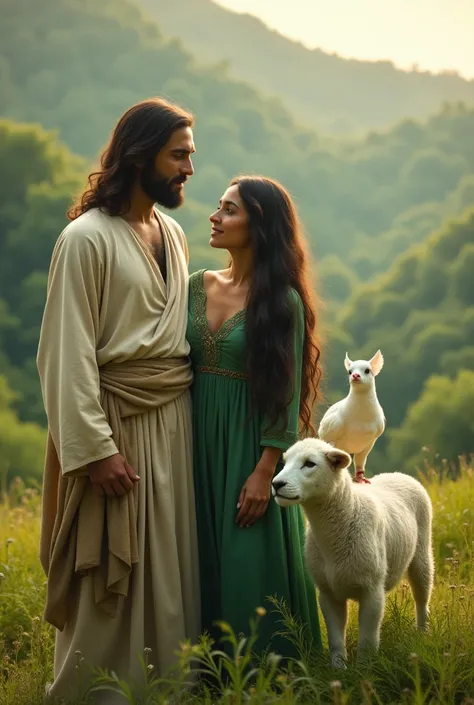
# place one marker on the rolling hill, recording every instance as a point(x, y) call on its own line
point(327, 91)
point(368, 205)
point(75, 65)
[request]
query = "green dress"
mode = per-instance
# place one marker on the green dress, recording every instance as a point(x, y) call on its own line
point(241, 567)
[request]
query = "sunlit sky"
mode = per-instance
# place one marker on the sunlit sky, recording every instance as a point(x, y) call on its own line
point(435, 34)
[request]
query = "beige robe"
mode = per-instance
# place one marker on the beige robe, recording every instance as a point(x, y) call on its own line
point(115, 375)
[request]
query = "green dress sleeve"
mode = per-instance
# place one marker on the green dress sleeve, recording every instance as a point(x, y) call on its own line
point(279, 437)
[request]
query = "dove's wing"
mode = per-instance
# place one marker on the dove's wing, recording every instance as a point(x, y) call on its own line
point(332, 423)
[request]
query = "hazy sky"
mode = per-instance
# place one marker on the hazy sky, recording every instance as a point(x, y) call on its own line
point(435, 34)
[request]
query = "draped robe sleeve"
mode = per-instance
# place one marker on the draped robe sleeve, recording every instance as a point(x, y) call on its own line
point(68, 370)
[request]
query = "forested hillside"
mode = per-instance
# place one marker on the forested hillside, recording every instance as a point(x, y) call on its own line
point(368, 207)
point(75, 65)
point(421, 313)
point(339, 95)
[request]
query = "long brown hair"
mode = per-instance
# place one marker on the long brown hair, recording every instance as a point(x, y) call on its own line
point(281, 263)
point(142, 131)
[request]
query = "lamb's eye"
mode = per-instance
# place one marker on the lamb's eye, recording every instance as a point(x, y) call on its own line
point(309, 464)
point(367, 371)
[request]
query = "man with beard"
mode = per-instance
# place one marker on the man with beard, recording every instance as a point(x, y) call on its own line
point(118, 539)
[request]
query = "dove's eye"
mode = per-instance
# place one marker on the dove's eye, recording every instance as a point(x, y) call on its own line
point(367, 371)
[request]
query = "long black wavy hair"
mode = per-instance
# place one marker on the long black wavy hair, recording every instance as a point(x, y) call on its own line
point(142, 131)
point(281, 262)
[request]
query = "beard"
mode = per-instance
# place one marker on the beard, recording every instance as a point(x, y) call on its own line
point(160, 189)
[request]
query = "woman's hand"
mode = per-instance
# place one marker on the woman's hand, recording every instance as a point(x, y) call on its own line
point(255, 494)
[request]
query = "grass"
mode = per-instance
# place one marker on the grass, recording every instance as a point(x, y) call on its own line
point(410, 668)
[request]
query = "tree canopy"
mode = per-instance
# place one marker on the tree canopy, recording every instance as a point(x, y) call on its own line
point(394, 256)
point(75, 66)
point(421, 313)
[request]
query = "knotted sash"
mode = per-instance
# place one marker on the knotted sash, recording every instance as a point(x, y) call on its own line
point(84, 532)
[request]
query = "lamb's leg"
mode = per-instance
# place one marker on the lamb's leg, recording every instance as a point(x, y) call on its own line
point(335, 617)
point(359, 462)
point(420, 577)
point(371, 609)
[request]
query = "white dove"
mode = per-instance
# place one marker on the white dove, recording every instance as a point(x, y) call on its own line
point(354, 423)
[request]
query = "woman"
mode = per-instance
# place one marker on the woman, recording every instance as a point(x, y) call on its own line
point(256, 364)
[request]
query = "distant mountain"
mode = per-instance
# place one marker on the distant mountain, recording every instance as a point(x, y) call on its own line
point(323, 90)
point(75, 65)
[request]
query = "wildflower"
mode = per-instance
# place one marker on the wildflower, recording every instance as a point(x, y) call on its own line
point(367, 687)
point(147, 650)
point(261, 611)
point(9, 541)
point(335, 685)
point(273, 659)
point(2, 577)
point(150, 667)
point(414, 657)
point(224, 627)
point(78, 652)
point(452, 587)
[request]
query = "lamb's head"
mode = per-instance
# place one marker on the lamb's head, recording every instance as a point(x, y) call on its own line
point(362, 373)
point(312, 469)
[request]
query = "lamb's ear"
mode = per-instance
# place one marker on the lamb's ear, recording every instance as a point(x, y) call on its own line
point(347, 362)
point(376, 363)
point(338, 459)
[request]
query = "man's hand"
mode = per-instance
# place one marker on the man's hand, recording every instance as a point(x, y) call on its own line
point(113, 475)
point(255, 495)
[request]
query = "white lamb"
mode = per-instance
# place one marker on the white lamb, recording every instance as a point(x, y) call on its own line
point(354, 423)
point(361, 539)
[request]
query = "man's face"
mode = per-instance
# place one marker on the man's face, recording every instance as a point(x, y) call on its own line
point(163, 176)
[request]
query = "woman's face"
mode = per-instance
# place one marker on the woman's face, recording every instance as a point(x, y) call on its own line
point(230, 223)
